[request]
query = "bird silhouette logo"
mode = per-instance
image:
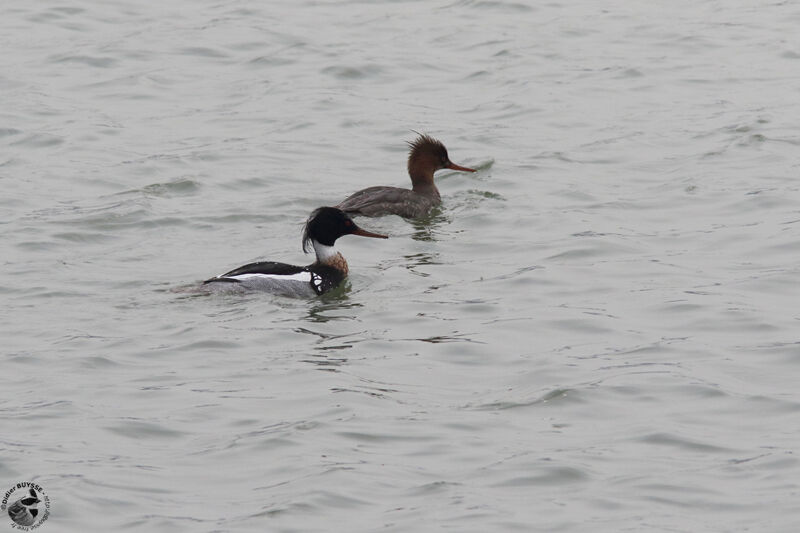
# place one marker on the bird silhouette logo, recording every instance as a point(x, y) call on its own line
point(24, 511)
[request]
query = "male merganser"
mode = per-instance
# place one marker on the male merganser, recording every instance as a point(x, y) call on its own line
point(324, 226)
point(427, 155)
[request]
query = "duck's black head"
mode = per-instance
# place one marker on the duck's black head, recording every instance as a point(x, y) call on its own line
point(326, 224)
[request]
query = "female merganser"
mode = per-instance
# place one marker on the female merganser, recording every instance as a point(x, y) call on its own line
point(427, 155)
point(324, 226)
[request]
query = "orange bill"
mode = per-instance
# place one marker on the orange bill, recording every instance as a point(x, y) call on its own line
point(453, 166)
point(365, 233)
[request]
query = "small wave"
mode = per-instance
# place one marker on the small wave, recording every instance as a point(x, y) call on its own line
point(202, 51)
point(39, 140)
point(353, 73)
point(92, 61)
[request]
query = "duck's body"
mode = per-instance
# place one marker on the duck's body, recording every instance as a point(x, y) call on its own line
point(427, 155)
point(280, 278)
point(379, 201)
point(324, 226)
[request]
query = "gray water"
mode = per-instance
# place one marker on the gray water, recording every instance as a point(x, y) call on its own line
point(598, 331)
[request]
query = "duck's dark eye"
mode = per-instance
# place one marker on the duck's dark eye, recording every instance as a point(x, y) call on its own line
point(348, 223)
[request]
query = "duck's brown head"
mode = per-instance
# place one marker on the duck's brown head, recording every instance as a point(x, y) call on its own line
point(427, 155)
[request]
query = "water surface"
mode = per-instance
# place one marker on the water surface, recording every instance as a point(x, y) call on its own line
point(595, 332)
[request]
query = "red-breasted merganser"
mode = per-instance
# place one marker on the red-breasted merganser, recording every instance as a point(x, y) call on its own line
point(427, 155)
point(324, 226)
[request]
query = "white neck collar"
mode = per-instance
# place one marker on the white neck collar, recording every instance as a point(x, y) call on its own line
point(324, 252)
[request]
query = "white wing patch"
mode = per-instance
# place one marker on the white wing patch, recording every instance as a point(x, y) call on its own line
point(316, 280)
point(300, 276)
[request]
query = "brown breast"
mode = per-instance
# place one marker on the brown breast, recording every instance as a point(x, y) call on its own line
point(338, 262)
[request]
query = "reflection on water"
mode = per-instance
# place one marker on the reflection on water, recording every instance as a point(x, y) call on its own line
point(329, 348)
point(325, 361)
point(412, 261)
point(425, 228)
point(456, 337)
point(321, 335)
point(332, 305)
point(486, 194)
